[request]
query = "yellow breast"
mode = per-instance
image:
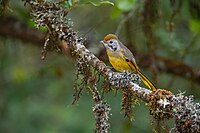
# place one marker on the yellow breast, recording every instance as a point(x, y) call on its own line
point(118, 62)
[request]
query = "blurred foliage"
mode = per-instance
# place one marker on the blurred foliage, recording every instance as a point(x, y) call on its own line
point(195, 25)
point(36, 95)
point(125, 5)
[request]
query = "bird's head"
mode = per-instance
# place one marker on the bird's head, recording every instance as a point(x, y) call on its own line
point(111, 42)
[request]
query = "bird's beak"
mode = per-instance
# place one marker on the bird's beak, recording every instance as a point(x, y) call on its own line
point(102, 41)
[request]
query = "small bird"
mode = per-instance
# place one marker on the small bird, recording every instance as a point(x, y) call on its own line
point(122, 59)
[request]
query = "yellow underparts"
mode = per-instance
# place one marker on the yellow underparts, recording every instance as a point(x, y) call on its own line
point(118, 62)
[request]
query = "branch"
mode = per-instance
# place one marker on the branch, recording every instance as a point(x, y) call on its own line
point(162, 103)
point(12, 27)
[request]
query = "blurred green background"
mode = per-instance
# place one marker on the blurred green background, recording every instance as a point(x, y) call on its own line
point(36, 96)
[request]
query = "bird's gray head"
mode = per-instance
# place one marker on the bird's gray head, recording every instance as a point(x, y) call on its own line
point(111, 42)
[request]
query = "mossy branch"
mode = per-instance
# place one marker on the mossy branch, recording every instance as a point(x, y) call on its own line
point(162, 103)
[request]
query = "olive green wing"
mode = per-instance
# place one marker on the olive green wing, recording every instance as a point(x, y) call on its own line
point(128, 56)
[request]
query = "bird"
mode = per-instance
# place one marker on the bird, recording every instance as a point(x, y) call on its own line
point(122, 59)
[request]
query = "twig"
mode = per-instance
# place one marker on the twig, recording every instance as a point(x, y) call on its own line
point(124, 19)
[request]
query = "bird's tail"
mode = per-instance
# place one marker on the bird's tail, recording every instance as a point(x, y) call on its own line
point(146, 81)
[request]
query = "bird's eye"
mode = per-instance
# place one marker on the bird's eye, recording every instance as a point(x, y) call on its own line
point(111, 42)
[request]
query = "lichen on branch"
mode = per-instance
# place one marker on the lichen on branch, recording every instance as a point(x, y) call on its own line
point(162, 103)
